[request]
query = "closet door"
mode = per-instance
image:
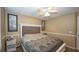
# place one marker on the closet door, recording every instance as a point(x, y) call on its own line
point(77, 41)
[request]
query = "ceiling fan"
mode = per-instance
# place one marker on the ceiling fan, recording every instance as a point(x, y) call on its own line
point(47, 11)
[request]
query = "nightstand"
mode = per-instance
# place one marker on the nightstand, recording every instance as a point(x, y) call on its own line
point(11, 45)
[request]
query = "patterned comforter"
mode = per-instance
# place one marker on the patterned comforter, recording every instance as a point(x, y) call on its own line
point(43, 44)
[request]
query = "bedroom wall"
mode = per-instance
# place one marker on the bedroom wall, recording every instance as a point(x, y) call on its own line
point(62, 25)
point(2, 27)
point(24, 20)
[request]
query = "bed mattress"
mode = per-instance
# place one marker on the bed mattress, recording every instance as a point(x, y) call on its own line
point(41, 43)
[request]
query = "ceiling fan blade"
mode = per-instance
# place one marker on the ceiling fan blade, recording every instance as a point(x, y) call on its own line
point(42, 9)
point(47, 14)
point(53, 11)
point(49, 8)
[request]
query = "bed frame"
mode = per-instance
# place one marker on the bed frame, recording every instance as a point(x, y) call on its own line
point(60, 49)
point(31, 29)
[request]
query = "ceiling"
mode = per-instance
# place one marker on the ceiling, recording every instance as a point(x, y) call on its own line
point(33, 11)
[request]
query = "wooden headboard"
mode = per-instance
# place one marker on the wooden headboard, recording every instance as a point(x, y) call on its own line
point(29, 29)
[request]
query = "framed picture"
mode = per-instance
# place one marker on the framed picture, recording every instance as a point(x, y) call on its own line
point(43, 25)
point(12, 23)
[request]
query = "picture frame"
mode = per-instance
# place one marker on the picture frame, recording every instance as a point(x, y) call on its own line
point(43, 25)
point(12, 23)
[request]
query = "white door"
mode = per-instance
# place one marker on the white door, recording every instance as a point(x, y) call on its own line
point(77, 43)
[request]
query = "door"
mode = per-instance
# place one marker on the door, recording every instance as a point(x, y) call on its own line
point(77, 43)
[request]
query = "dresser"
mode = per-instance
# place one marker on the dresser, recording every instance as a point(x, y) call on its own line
point(11, 45)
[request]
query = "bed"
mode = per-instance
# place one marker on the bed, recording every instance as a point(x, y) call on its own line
point(33, 40)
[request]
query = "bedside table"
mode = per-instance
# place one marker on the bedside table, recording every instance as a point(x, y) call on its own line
point(11, 45)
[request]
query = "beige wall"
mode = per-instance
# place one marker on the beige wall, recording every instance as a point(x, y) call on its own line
point(3, 29)
point(24, 20)
point(64, 25)
point(2, 26)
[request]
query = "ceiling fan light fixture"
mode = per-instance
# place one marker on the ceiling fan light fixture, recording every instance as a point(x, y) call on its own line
point(47, 14)
point(47, 11)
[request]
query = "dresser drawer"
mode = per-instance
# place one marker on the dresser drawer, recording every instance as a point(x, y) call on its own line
point(10, 42)
point(11, 45)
